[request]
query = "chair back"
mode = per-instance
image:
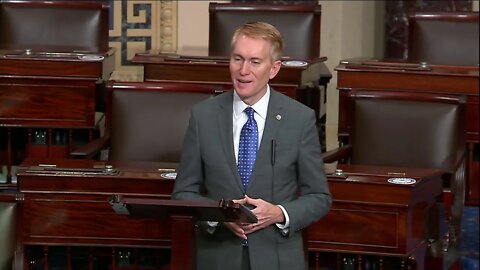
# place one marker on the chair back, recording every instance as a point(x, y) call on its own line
point(147, 121)
point(449, 38)
point(407, 129)
point(54, 26)
point(8, 217)
point(298, 24)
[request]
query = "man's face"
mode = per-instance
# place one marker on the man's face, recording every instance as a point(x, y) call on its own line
point(251, 68)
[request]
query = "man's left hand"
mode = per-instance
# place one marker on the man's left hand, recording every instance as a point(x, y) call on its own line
point(267, 214)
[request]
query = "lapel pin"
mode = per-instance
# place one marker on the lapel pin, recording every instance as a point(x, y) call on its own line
point(279, 117)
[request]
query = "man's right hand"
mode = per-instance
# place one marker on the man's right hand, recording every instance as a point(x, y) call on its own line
point(240, 229)
point(236, 229)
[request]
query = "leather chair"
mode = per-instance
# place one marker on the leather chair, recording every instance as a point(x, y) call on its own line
point(8, 217)
point(147, 121)
point(448, 38)
point(299, 25)
point(422, 130)
point(40, 26)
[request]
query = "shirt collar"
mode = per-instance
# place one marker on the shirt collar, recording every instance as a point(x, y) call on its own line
point(260, 107)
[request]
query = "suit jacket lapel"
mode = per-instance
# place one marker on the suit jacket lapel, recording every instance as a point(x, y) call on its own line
point(272, 124)
point(273, 121)
point(225, 124)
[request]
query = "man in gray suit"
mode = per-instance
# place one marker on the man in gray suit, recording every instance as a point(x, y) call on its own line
point(286, 187)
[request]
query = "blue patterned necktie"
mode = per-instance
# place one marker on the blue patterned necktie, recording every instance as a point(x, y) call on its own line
point(247, 148)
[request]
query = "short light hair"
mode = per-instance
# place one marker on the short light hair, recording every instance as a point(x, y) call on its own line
point(265, 31)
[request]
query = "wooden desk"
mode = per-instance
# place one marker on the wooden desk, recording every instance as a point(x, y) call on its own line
point(52, 96)
point(372, 74)
point(310, 80)
point(370, 216)
point(71, 208)
point(68, 205)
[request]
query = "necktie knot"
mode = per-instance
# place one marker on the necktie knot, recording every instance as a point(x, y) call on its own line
point(249, 111)
point(251, 123)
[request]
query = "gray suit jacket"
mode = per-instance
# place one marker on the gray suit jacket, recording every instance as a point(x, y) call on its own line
point(294, 179)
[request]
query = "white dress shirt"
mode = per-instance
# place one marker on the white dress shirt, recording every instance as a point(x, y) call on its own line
point(240, 118)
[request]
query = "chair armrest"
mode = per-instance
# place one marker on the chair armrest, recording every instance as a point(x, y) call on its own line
point(454, 162)
point(337, 154)
point(91, 149)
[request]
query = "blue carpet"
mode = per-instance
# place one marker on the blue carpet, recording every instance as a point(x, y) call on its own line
point(470, 238)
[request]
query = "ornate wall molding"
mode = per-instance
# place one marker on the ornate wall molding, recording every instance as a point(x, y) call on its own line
point(138, 26)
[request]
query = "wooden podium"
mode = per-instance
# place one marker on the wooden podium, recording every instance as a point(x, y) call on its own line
point(182, 215)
